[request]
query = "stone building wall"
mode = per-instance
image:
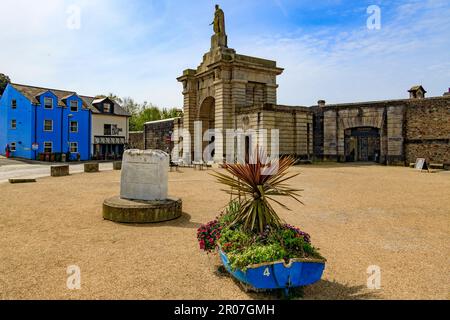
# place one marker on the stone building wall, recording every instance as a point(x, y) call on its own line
point(428, 130)
point(409, 129)
point(136, 140)
point(294, 125)
point(158, 135)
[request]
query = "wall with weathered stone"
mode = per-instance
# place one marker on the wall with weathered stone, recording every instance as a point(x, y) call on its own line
point(136, 140)
point(158, 135)
point(428, 130)
point(409, 128)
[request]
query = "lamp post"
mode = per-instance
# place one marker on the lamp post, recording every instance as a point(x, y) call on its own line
point(70, 116)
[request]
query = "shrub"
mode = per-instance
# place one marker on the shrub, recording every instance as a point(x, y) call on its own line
point(208, 235)
point(259, 182)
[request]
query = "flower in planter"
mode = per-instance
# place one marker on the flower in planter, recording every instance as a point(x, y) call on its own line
point(258, 184)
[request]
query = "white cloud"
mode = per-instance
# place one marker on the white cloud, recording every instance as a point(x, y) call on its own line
point(135, 49)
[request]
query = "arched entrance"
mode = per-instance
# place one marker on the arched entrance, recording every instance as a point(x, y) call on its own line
point(207, 115)
point(362, 144)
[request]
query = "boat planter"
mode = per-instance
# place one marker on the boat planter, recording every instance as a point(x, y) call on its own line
point(278, 275)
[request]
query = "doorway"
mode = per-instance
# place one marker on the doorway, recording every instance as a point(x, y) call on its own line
point(362, 144)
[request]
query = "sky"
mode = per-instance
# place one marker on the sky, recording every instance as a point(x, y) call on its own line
point(137, 48)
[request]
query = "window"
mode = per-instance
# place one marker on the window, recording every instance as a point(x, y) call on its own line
point(107, 107)
point(14, 104)
point(74, 147)
point(73, 106)
point(13, 147)
point(13, 124)
point(48, 103)
point(48, 125)
point(107, 130)
point(48, 147)
point(73, 126)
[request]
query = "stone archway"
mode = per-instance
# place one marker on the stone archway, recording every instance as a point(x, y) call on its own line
point(207, 116)
point(362, 144)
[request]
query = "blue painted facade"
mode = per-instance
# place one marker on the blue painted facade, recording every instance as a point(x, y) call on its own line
point(30, 118)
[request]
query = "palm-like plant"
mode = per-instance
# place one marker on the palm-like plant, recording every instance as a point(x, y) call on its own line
point(259, 181)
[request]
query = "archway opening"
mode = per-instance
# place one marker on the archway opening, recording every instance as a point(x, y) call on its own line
point(362, 144)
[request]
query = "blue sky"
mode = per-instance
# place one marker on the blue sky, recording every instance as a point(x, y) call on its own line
point(137, 48)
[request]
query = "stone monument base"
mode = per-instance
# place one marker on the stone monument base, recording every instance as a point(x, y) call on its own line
point(134, 211)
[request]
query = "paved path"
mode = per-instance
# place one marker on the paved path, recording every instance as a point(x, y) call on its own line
point(18, 169)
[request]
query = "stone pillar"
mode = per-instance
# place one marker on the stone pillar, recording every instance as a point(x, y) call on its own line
point(224, 119)
point(330, 135)
point(271, 93)
point(395, 119)
point(190, 110)
point(144, 175)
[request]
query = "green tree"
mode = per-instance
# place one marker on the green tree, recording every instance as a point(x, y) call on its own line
point(147, 113)
point(4, 80)
point(130, 106)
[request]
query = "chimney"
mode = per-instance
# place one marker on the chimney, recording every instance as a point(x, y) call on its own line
point(417, 92)
point(321, 103)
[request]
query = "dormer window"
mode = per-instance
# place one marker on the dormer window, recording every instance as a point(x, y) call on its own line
point(107, 108)
point(48, 103)
point(73, 106)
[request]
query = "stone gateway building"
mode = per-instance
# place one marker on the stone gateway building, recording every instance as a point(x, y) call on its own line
point(233, 91)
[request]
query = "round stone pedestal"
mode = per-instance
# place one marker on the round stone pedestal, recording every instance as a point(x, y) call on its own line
point(133, 211)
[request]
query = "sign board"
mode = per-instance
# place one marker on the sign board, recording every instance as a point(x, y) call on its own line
point(35, 146)
point(421, 164)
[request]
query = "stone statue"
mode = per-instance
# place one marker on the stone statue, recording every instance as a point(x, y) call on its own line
point(219, 21)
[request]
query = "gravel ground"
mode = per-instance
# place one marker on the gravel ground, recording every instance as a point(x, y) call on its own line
point(359, 216)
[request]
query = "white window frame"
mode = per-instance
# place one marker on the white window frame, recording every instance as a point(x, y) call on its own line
point(51, 146)
point(13, 104)
point(71, 127)
point(72, 109)
point(109, 107)
point(70, 147)
point(45, 104)
point(13, 147)
point(15, 124)
point(51, 123)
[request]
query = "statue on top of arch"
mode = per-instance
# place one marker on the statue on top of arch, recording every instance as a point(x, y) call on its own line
point(219, 21)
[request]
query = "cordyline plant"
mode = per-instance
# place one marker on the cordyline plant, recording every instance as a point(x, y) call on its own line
point(259, 182)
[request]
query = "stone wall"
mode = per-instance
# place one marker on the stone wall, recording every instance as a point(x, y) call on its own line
point(158, 135)
point(428, 130)
point(136, 140)
point(409, 128)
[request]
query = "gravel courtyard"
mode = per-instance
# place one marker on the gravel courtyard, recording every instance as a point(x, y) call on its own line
point(359, 216)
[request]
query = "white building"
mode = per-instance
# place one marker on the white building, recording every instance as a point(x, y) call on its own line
point(110, 128)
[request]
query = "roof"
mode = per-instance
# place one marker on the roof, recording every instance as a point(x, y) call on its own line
point(92, 101)
point(32, 93)
point(417, 88)
point(163, 120)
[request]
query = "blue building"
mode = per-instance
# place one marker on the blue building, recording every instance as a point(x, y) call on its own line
point(39, 122)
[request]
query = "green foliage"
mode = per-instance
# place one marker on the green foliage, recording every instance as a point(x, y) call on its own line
point(142, 113)
point(230, 213)
point(4, 80)
point(259, 182)
point(256, 254)
point(244, 249)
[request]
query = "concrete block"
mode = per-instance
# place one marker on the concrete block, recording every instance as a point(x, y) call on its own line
point(59, 171)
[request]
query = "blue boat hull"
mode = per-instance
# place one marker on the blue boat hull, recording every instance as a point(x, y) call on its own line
point(278, 275)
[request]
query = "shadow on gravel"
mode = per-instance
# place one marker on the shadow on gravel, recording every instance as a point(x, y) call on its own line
point(182, 222)
point(323, 290)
